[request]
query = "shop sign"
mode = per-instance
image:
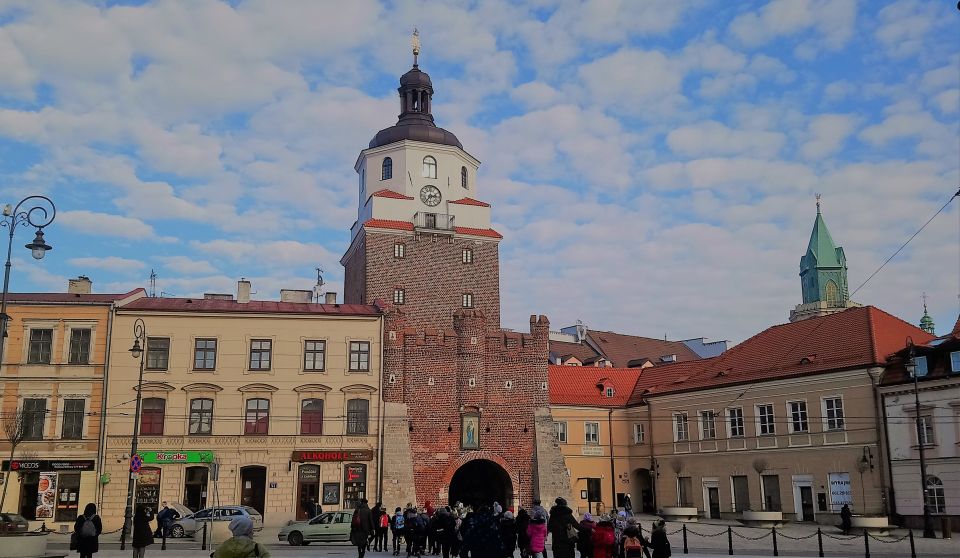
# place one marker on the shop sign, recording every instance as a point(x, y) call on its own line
point(840, 491)
point(48, 465)
point(177, 456)
point(46, 494)
point(333, 455)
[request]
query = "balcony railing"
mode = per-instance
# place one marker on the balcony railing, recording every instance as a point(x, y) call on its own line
point(433, 221)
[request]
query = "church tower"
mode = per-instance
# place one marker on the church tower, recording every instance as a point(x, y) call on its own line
point(422, 240)
point(823, 275)
point(926, 322)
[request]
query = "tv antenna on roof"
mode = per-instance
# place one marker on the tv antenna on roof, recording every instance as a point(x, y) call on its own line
point(318, 288)
point(153, 284)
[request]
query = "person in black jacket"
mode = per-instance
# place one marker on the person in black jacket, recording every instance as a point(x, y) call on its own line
point(560, 525)
point(88, 528)
point(659, 540)
point(508, 533)
point(523, 538)
point(142, 533)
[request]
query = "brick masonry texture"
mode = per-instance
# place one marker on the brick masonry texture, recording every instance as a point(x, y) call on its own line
point(431, 273)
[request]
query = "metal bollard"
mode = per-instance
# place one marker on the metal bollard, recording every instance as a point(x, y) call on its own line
point(776, 552)
point(730, 541)
point(820, 542)
point(866, 544)
point(913, 549)
point(945, 528)
point(685, 551)
point(203, 545)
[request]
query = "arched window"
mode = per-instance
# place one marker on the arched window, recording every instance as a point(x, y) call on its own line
point(832, 293)
point(386, 170)
point(463, 177)
point(257, 418)
point(311, 416)
point(429, 167)
point(358, 415)
point(201, 416)
point(936, 498)
point(152, 415)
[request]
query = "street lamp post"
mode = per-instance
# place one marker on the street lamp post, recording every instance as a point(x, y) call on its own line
point(39, 214)
point(137, 351)
point(921, 439)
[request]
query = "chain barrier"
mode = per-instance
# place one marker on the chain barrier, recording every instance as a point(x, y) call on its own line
point(692, 532)
point(842, 538)
point(763, 536)
point(680, 530)
point(786, 536)
point(885, 541)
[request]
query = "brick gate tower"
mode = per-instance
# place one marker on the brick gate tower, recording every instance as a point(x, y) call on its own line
point(466, 415)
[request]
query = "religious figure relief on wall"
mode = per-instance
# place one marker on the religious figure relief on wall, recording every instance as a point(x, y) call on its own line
point(470, 432)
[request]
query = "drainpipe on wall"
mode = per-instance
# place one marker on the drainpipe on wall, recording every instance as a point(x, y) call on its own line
point(881, 436)
point(654, 468)
point(380, 419)
point(102, 442)
point(613, 476)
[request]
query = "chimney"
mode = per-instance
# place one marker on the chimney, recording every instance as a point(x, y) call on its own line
point(243, 291)
point(330, 298)
point(80, 285)
point(296, 295)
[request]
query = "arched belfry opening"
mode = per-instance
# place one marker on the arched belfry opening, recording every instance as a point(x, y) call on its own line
point(481, 482)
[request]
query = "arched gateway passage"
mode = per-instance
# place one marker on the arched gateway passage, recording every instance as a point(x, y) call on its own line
point(481, 482)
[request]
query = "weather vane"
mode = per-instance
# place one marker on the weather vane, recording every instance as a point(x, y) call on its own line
point(818, 202)
point(415, 43)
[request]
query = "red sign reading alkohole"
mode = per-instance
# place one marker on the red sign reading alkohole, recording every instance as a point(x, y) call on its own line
point(332, 455)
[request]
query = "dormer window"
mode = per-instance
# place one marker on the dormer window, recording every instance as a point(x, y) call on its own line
point(429, 167)
point(386, 169)
point(463, 177)
point(609, 391)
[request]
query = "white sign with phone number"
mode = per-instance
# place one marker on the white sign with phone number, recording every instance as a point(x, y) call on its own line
point(841, 492)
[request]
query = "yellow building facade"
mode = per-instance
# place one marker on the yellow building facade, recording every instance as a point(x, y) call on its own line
point(54, 361)
point(246, 402)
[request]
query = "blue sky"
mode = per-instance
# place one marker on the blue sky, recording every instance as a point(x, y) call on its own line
point(652, 165)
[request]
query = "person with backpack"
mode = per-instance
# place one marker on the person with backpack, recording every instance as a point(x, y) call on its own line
point(361, 527)
point(396, 529)
point(410, 516)
point(633, 544)
point(563, 529)
point(604, 539)
point(445, 530)
point(382, 525)
point(481, 534)
point(659, 541)
point(241, 544)
point(375, 512)
point(537, 533)
point(142, 533)
point(87, 531)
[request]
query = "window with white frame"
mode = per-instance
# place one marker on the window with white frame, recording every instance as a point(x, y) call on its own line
point(561, 429)
point(798, 416)
point(681, 430)
point(41, 346)
point(765, 422)
point(638, 433)
point(467, 300)
point(591, 432)
point(429, 167)
point(399, 250)
point(925, 433)
point(708, 425)
point(466, 256)
point(833, 413)
point(399, 296)
point(936, 498)
point(735, 416)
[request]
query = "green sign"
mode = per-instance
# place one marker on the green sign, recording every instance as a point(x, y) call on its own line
point(177, 456)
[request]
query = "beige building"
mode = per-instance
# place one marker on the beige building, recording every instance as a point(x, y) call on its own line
point(260, 403)
point(54, 360)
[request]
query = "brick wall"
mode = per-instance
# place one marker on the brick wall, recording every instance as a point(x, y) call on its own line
point(355, 272)
point(432, 274)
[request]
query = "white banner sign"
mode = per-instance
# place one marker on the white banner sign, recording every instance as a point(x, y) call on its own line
point(840, 491)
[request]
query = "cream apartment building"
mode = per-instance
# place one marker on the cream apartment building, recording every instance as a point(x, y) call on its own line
point(250, 402)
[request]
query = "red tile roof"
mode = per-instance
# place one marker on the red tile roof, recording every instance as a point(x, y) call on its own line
point(471, 201)
point(956, 327)
point(577, 385)
point(389, 224)
point(390, 194)
point(54, 298)
point(161, 304)
point(854, 338)
point(490, 233)
point(620, 348)
point(564, 349)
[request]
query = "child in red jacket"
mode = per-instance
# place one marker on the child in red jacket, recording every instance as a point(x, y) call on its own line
point(537, 531)
point(604, 539)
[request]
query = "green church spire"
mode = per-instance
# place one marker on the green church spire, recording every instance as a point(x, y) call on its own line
point(926, 322)
point(823, 269)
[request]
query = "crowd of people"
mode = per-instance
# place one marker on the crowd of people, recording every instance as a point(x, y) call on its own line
point(489, 531)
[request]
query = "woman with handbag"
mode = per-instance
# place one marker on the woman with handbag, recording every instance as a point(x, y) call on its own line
point(142, 532)
point(564, 529)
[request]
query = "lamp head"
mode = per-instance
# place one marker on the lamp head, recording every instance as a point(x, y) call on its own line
point(38, 247)
point(911, 366)
point(136, 350)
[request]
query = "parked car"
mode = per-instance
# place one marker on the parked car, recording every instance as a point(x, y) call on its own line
point(13, 523)
point(190, 523)
point(326, 527)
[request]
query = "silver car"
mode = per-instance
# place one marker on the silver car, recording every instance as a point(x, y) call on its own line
point(189, 524)
point(326, 527)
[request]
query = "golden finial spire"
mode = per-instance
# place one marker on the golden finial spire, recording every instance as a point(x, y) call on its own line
point(415, 43)
point(818, 203)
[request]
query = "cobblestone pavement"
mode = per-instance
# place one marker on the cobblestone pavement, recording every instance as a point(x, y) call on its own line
point(703, 539)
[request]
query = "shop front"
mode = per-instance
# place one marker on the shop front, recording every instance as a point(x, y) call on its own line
point(317, 484)
point(51, 490)
point(193, 467)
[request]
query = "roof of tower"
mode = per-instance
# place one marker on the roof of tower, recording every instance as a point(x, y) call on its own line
point(821, 244)
point(415, 126)
point(416, 78)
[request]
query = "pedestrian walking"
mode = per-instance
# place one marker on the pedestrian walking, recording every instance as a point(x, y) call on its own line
point(523, 538)
point(396, 529)
point(165, 519)
point(604, 539)
point(481, 534)
point(508, 533)
point(585, 536)
point(445, 530)
point(361, 527)
point(627, 505)
point(375, 512)
point(845, 519)
point(142, 533)
point(86, 530)
point(563, 529)
point(659, 541)
point(537, 533)
point(241, 544)
point(382, 525)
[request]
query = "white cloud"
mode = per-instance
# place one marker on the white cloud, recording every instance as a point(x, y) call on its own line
point(839, 90)
point(904, 26)
point(536, 94)
point(826, 134)
point(187, 265)
point(108, 264)
point(633, 81)
point(948, 101)
point(833, 20)
point(714, 138)
point(105, 224)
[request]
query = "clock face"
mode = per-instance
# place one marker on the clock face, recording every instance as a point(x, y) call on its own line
point(430, 195)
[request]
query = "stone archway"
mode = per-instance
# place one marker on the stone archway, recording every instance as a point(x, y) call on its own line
point(481, 482)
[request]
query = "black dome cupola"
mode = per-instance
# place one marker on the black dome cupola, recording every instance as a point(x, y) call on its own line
point(416, 101)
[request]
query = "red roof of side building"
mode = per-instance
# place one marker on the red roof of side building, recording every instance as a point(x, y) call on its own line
point(60, 298)
point(471, 201)
point(578, 385)
point(956, 327)
point(390, 194)
point(389, 224)
point(855, 338)
point(162, 304)
point(565, 349)
point(490, 233)
point(620, 348)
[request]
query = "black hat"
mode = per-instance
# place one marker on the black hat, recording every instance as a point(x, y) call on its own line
point(561, 501)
